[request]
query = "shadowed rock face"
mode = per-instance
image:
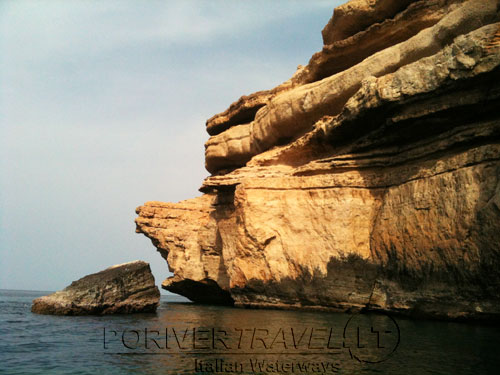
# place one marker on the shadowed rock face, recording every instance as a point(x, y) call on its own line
point(124, 288)
point(369, 180)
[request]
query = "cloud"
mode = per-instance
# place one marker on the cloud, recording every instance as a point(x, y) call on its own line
point(196, 22)
point(103, 107)
point(52, 29)
point(120, 62)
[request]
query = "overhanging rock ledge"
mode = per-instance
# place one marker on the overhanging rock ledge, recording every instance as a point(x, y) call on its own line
point(368, 181)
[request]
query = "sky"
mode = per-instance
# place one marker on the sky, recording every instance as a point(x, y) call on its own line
point(103, 107)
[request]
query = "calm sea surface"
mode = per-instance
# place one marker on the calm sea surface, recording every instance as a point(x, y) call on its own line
point(184, 338)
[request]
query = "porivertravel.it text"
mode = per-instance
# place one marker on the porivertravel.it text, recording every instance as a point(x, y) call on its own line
point(218, 339)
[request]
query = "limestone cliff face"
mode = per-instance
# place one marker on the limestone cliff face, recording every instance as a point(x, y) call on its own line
point(369, 180)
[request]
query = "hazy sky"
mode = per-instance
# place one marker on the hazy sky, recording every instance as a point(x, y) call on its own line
point(103, 107)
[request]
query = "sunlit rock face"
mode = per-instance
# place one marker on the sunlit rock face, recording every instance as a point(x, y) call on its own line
point(369, 180)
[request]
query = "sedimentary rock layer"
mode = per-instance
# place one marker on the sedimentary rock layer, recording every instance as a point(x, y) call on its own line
point(370, 186)
point(124, 288)
point(294, 112)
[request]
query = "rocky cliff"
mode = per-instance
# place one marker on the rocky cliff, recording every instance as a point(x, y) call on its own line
point(369, 180)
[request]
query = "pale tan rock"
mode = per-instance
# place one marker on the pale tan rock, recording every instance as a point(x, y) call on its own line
point(185, 234)
point(244, 109)
point(240, 112)
point(376, 188)
point(230, 149)
point(339, 55)
point(293, 112)
point(343, 54)
point(356, 15)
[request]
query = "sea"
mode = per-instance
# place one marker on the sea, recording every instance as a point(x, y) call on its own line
point(187, 338)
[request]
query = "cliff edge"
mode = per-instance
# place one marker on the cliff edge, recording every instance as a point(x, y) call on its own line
point(368, 181)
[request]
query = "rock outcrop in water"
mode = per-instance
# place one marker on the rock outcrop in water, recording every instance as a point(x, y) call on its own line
point(124, 288)
point(369, 180)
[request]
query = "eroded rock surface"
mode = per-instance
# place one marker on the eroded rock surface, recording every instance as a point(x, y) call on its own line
point(123, 288)
point(369, 180)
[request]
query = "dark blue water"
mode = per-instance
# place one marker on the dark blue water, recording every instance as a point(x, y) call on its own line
point(230, 340)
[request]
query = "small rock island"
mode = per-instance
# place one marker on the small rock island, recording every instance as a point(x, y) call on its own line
point(120, 289)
